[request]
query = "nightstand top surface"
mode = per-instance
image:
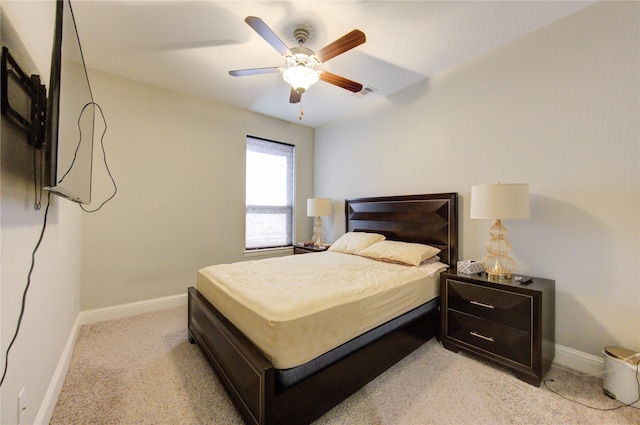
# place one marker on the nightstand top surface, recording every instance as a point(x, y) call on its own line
point(538, 283)
point(311, 248)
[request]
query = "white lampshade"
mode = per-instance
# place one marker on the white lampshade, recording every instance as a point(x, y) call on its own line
point(500, 201)
point(318, 207)
point(300, 77)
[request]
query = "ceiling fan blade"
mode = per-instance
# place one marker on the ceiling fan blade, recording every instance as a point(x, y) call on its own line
point(339, 81)
point(255, 71)
point(294, 97)
point(341, 45)
point(265, 32)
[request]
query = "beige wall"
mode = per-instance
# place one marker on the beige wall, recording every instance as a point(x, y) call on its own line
point(178, 162)
point(53, 298)
point(558, 109)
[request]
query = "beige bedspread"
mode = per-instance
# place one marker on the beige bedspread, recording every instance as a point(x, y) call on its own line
point(298, 307)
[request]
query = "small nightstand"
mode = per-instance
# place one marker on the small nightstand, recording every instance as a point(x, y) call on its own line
point(299, 249)
point(503, 320)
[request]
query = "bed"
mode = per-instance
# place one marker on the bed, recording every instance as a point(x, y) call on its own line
point(299, 386)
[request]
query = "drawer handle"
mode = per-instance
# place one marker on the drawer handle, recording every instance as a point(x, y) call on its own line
point(482, 304)
point(477, 335)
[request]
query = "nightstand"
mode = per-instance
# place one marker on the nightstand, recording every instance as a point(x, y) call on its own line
point(505, 321)
point(299, 249)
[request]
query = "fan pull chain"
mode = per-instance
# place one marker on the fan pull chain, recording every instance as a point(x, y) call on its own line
point(301, 110)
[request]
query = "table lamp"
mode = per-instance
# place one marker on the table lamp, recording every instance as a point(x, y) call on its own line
point(499, 201)
point(318, 207)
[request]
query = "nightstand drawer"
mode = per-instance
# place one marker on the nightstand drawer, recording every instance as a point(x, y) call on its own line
point(496, 305)
point(494, 338)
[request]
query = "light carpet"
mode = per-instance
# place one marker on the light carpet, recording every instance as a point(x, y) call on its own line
point(143, 370)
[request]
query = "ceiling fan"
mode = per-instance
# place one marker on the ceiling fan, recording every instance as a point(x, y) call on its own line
point(301, 61)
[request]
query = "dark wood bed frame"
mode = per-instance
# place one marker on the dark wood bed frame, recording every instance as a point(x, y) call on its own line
point(250, 378)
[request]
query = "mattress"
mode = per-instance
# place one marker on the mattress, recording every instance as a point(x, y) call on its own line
point(298, 307)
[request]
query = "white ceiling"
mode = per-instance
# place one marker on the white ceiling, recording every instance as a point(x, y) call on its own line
point(189, 46)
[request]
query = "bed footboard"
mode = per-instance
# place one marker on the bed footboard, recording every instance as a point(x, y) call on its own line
point(247, 375)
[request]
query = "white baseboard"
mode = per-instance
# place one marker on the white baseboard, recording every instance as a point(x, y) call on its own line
point(578, 360)
point(564, 356)
point(55, 386)
point(92, 316)
point(131, 309)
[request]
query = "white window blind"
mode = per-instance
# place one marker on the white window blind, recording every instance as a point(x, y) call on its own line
point(269, 215)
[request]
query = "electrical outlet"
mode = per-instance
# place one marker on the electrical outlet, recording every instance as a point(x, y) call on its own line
point(22, 405)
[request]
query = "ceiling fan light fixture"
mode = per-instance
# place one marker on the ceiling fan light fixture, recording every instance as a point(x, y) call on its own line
point(300, 61)
point(300, 77)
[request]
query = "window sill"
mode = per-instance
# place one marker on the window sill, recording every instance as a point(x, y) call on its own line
point(268, 252)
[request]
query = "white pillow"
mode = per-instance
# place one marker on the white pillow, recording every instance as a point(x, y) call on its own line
point(400, 252)
point(354, 242)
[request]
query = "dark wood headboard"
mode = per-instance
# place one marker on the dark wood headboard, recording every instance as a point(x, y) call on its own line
point(430, 219)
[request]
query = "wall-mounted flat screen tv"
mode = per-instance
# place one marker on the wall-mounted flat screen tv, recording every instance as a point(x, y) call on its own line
point(70, 114)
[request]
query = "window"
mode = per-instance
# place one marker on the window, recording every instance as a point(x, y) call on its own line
point(269, 215)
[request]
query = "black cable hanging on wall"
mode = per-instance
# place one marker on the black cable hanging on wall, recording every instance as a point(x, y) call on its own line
point(104, 159)
point(104, 155)
point(26, 289)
